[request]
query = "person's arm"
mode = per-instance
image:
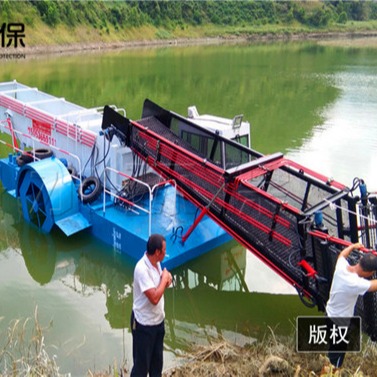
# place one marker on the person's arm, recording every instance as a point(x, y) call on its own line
point(373, 286)
point(154, 294)
point(347, 251)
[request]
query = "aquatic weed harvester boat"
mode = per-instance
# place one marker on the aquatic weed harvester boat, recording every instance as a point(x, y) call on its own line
point(294, 219)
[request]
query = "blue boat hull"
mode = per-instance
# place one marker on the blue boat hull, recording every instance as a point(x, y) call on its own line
point(126, 230)
point(172, 215)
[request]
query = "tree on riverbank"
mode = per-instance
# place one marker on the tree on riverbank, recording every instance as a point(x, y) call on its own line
point(170, 18)
point(177, 13)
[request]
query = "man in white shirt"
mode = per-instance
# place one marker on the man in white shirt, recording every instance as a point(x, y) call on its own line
point(148, 313)
point(349, 282)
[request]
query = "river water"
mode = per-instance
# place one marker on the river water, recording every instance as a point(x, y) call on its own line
point(315, 103)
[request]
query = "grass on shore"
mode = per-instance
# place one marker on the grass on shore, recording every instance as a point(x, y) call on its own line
point(42, 35)
point(23, 353)
point(39, 33)
point(273, 356)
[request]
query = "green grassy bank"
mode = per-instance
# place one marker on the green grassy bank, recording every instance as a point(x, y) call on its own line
point(64, 23)
point(43, 35)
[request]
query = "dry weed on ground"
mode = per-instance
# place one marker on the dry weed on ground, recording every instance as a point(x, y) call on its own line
point(271, 357)
point(23, 353)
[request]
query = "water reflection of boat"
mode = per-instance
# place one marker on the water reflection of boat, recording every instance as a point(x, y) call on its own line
point(221, 269)
point(39, 253)
point(206, 295)
point(211, 298)
point(199, 305)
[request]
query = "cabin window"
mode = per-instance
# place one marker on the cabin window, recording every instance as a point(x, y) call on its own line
point(243, 140)
point(234, 156)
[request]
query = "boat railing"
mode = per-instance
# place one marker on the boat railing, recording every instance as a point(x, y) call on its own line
point(7, 125)
point(76, 117)
point(133, 205)
point(367, 220)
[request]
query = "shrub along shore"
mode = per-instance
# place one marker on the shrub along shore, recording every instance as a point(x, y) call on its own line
point(61, 26)
point(351, 39)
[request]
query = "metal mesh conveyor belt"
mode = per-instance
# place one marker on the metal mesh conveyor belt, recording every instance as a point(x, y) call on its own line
point(242, 212)
point(265, 207)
